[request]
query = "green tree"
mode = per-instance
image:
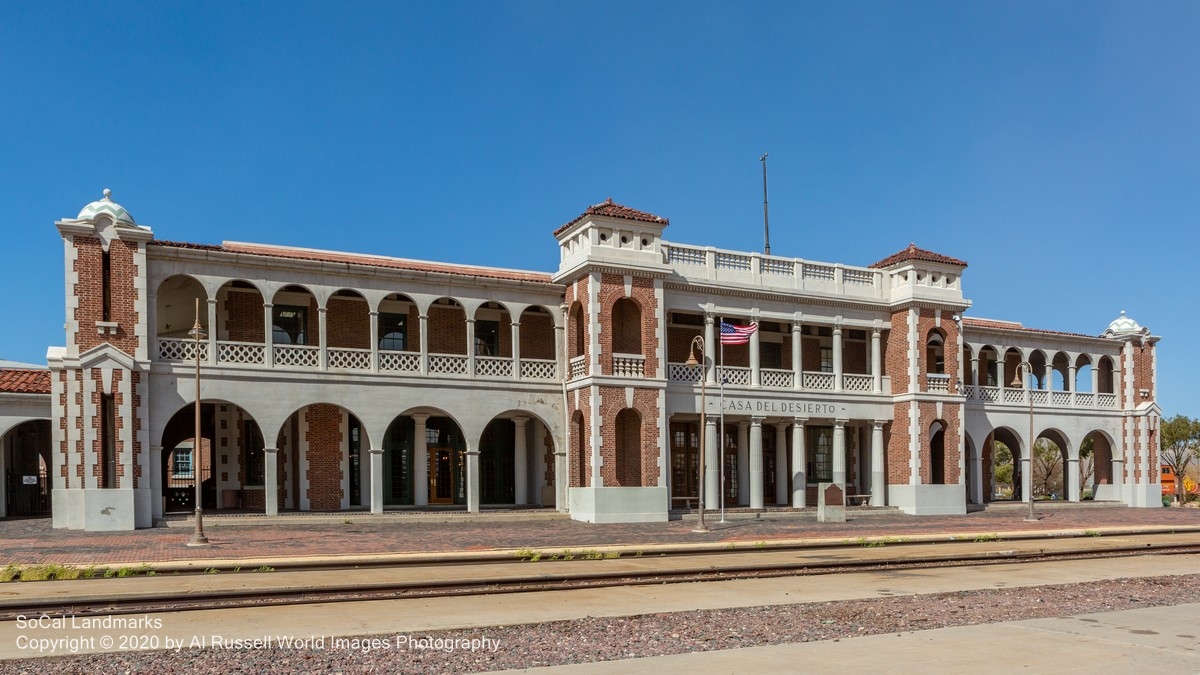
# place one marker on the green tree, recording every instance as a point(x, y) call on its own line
point(1180, 439)
point(1087, 463)
point(1047, 467)
point(1002, 466)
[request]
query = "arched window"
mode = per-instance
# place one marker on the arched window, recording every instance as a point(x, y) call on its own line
point(935, 352)
point(627, 327)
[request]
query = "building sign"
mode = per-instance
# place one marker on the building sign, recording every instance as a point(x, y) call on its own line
point(29, 480)
point(766, 406)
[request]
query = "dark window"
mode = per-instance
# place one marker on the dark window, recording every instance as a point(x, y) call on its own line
point(820, 456)
point(770, 355)
point(108, 442)
point(181, 463)
point(106, 285)
point(355, 441)
point(687, 319)
point(487, 338)
point(826, 359)
point(291, 324)
point(393, 332)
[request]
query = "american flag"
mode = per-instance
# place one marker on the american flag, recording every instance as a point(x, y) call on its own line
point(737, 335)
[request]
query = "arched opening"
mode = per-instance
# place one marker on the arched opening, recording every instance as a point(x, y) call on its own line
point(629, 448)
point(1006, 465)
point(1012, 367)
point(1105, 379)
point(230, 463)
point(348, 330)
point(537, 334)
point(580, 473)
point(937, 453)
point(321, 459)
point(1097, 480)
point(1050, 466)
point(493, 332)
point(424, 461)
point(294, 317)
point(1083, 374)
point(935, 352)
point(968, 366)
point(577, 336)
point(448, 337)
point(988, 358)
point(240, 328)
point(399, 334)
point(1061, 365)
point(176, 307)
point(497, 452)
point(26, 463)
point(626, 327)
point(1037, 362)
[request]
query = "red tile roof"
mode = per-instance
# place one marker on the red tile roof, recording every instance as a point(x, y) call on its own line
point(20, 381)
point(914, 253)
point(363, 259)
point(970, 322)
point(613, 210)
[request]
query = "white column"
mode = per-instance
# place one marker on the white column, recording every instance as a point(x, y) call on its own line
point(837, 358)
point(1000, 374)
point(376, 480)
point(799, 467)
point(560, 347)
point(471, 365)
point(797, 366)
point(710, 347)
point(323, 316)
point(420, 461)
point(1095, 378)
point(878, 469)
point(839, 452)
point(520, 461)
point(269, 336)
point(712, 466)
point(1048, 379)
point(755, 369)
point(516, 351)
point(1073, 480)
point(974, 371)
point(271, 480)
point(424, 319)
point(876, 363)
point(472, 480)
point(743, 462)
point(560, 481)
point(756, 463)
point(212, 335)
point(374, 341)
point(781, 472)
point(156, 486)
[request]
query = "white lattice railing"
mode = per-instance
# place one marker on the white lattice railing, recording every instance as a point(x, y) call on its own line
point(539, 369)
point(682, 372)
point(1040, 396)
point(1085, 399)
point(629, 365)
point(1106, 400)
point(989, 394)
point(351, 359)
point(937, 382)
point(449, 364)
point(732, 261)
point(777, 378)
point(401, 362)
point(1060, 398)
point(818, 381)
point(971, 392)
point(734, 375)
point(858, 382)
point(578, 366)
point(1014, 395)
point(299, 356)
point(241, 352)
point(172, 349)
point(493, 366)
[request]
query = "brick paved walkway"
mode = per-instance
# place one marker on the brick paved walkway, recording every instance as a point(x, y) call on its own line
point(34, 541)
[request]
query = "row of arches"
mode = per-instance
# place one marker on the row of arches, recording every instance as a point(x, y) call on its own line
point(1058, 371)
point(1059, 468)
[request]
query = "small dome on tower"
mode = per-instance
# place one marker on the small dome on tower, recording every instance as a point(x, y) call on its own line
point(106, 206)
point(1123, 326)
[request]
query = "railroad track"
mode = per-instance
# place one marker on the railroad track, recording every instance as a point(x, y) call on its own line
point(552, 576)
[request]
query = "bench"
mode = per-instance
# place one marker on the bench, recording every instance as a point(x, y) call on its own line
point(858, 499)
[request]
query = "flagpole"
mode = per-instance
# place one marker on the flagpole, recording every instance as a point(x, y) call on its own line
point(721, 434)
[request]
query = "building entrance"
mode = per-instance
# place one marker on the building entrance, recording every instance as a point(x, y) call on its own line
point(685, 464)
point(443, 475)
point(26, 475)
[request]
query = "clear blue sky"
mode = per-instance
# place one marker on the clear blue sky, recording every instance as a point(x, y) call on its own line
point(1054, 146)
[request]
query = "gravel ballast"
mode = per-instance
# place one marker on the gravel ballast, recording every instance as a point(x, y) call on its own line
point(613, 638)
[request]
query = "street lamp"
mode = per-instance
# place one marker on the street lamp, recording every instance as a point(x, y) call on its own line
point(198, 538)
point(698, 343)
point(1027, 368)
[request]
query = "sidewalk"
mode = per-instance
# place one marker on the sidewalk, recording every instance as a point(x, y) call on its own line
point(299, 536)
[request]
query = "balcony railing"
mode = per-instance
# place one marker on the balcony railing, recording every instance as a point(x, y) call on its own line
point(1040, 397)
point(492, 366)
point(782, 379)
point(732, 375)
point(858, 383)
point(629, 365)
point(250, 353)
point(539, 369)
point(173, 349)
point(400, 362)
point(350, 359)
point(818, 381)
point(937, 383)
point(301, 356)
point(710, 264)
point(578, 367)
point(776, 378)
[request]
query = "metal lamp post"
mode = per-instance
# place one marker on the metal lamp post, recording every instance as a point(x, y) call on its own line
point(198, 538)
point(1027, 368)
point(698, 342)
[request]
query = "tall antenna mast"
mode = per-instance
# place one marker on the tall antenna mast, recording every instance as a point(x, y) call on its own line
point(766, 225)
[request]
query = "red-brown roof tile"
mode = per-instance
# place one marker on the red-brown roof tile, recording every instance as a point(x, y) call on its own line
point(970, 322)
point(914, 253)
point(363, 259)
point(21, 381)
point(613, 210)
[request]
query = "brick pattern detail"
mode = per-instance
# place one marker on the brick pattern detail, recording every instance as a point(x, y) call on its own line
point(244, 316)
point(897, 353)
point(856, 357)
point(950, 466)
point(679, 339)
point(90, 291)
point(548, 459)
point(348, 321)
point(579, 454)
point(537, 336)
point(810, 353)
point(577, 338)
point(324, 456)
point(447, 330)
point(645, 402)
